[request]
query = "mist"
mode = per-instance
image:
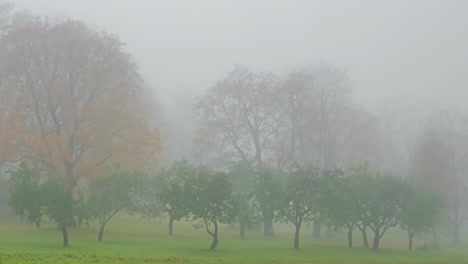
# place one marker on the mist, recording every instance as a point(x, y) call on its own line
point(158, 124)
point(394, 51)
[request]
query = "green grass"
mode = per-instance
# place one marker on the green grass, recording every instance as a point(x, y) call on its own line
point(130, 240)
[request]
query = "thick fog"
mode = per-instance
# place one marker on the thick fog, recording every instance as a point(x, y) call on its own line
point(393, 51)
point(241, 116)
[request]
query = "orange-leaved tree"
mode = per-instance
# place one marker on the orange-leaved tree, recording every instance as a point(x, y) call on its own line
point(73, 104)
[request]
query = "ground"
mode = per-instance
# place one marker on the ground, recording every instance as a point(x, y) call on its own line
point(129, 239)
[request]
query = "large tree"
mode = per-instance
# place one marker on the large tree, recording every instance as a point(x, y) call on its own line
point(73, 102)
point(440, 161)
point(237, 116)
point(308, 117)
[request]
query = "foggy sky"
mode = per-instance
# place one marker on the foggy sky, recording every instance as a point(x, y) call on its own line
point(391, 49)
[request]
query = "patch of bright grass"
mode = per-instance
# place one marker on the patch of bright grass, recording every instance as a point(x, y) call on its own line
point(128, 239)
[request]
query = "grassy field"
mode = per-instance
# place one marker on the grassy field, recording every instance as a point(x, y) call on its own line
point(130, 240)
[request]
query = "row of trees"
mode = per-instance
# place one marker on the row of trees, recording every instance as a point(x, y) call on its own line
point(73, 105)
point(307, 117)
point(246, 194)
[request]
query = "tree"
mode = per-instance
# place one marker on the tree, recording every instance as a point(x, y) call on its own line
point(268, 190)
point(420, 209)
point(382, 210)
point(61, 85)
point(170, 186)
point(340, 202)
point(440, 162)
point(9, 18)
point(236, 116)
point(325, 126)
point(33, 199)
point(241, 175)
point(357, 187)
point(25, 195)
point(300, 197)
point(211, 201)
point(5, 14)
point(112, 193)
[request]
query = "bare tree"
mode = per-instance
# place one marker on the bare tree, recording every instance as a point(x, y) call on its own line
point(237, 116)
point(441, 161)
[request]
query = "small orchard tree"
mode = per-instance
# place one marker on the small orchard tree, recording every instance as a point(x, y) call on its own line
point(33, 199)
point(170, 186)
point(268, 187)
point(112, 193)
point(420, 209)
point(300, 197)
point(211, 201)
point(383, 207)
point(24, 195)
point(241, 175)
point(338, 203)
point(358, 197)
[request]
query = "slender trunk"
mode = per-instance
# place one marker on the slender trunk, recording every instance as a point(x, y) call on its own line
point(171, 224)
point(350, 237)
point(101, 231)
point(241, 228)
point(215, 236)
point(436, 238)
point(296, 235)
point(329, 232)
point(316, 230)
point(456, 234)
point(65, 236)
point(375, 246)
point(268, 226)
point(365, 241)
point(410, 243)
point(456, 225)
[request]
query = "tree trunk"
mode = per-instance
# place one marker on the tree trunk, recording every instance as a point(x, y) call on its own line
point(268, 227)
point(456, 234)
point(375, 246)
point(215, 242)
point(101, 231)
point(456, 225)
point(65, 236)
point(410, 243)
point(350, 237)
point(436, 238)
point(296, 235)
point(316, 230)
point(171, 224)
point(241, 229)
point(215, 236)
point(365, 241)
point(329, 232)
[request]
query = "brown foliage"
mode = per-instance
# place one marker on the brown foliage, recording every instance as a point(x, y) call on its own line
point(72, 101)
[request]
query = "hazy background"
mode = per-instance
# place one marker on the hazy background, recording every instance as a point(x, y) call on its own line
point(394, 51)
